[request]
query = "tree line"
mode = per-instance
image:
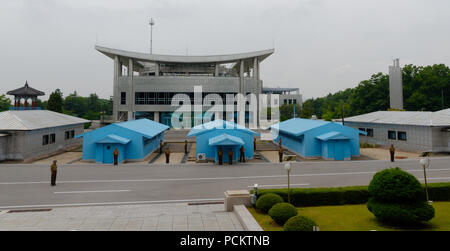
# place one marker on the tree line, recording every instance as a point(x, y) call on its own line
point(425, 88)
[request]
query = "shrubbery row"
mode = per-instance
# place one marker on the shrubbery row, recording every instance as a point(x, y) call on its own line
point(302, 197)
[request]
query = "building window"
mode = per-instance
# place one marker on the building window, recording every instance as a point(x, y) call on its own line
point(69, 134)
point(392, 135)
point(52, 138)
point(285, 101)
point(294, 101)
point(401, 136)
point(45, 140)
point(123, 98)
point(369, 132)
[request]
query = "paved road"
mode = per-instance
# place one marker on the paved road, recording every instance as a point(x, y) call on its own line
point(25, 186)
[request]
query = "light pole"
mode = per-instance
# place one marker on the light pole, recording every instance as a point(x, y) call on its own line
point(151, 22)
point(287, 166)
point(425, 162)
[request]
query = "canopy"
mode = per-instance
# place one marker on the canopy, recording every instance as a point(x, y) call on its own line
point(225, 140)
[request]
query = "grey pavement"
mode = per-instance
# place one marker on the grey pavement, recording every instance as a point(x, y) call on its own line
point(27, 186)
point(149, 217)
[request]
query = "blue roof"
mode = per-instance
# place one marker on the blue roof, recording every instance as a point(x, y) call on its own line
point(297, 127)
point(225, 140)
point(112, 138)
point(146, 127)
point(218, 124)
point(333, 135)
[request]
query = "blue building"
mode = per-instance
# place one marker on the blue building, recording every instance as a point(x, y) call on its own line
point(316, 138)
point(222, 134)
point(134, 139)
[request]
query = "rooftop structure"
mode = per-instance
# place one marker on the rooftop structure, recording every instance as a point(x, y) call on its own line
point(144, 84)
point(25, 93)
point(287, 95)
point(439, 118)
point(395, 85)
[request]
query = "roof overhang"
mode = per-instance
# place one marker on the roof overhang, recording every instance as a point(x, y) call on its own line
point(146, 57)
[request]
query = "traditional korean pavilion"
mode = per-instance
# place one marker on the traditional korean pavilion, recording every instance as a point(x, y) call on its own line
point(25, 93)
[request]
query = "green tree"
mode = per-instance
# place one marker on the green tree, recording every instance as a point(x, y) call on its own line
point(55, 101)
point(5, 103)
point(287, 111)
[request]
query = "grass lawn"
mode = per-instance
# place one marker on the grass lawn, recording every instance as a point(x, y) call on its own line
point(354, 218)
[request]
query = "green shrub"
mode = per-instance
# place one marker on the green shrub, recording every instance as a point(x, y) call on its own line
point(401, 213)
point(304, 197)
point(395, 185)
point(299, 223)
point(281, 212)
point(397, 198)
point(266, 201)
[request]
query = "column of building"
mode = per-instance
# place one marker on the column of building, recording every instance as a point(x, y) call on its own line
point(130, 96)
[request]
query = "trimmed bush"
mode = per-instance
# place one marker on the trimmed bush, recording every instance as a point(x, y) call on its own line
point(397, 198)
point(395, 185)
point(266, 201)
point(281, 212)
point(401, 214)
point(299, 223)
point(304, 197)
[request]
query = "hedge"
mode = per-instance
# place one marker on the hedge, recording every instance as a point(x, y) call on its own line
point(302, 197)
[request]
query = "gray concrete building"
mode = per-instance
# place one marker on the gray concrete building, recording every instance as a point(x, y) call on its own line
point(287, 95)
point(395, 86)
point(409, 131)
point(144, 84)
point(31, 134)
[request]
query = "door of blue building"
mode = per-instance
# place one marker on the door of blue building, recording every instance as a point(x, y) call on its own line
point(339, 150)
point(108, 153)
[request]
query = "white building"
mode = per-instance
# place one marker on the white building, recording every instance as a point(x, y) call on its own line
point(410, 131)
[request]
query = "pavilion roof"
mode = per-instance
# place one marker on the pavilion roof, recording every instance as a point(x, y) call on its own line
point(26, 91)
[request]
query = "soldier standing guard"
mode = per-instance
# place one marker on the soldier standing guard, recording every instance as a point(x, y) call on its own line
point(254, 144)
point(392, 152)
point(230, 157)
point(280, 152)
point(220, 155)
point(160, 146)
point(185, 146)
point(53, 170)
point(167, 153)
point(115, 155)
point(242, 157)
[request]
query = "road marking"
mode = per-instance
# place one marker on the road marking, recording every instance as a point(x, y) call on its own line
point(110, 203)
point(442, 178)
point(281, 185)
point(210, 178)
point(101, 191)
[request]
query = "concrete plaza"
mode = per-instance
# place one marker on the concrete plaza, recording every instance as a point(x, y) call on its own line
point(146, 217)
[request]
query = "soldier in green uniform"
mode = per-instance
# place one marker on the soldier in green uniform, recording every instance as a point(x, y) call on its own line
point(53, 171)
point(115, 155)
point(220, 155)
point(167, 153)
point(185, 146)
point(392, 152)
point(280, 153)
point(230, 157)
point(242, 156)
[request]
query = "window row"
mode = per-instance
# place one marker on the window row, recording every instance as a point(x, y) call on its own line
point(290, 101)
point(369, 131)
point(397, 135)
point(48, 139)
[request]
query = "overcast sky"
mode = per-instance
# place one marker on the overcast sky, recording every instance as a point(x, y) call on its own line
point(321, 46)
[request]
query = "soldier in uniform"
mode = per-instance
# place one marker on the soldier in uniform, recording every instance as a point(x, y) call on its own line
point(280, 152)
point(392, 152)
point(220, 155)
point(242, 156)
point(115, 155)
point(167, 153)
point(160, 146)
point(53, 170)
point(185, 146)
point(254, 144)
point(230, 157)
